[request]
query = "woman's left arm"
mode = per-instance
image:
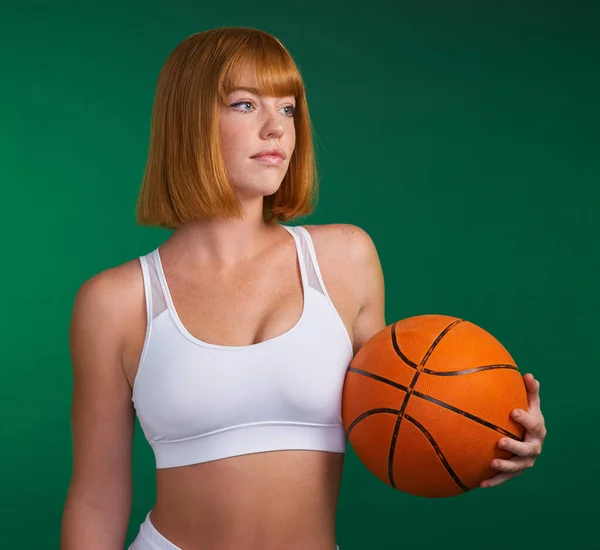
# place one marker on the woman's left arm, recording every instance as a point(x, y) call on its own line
point(370, 318)
point(530, 448)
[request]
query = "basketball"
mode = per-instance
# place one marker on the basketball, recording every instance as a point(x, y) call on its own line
point(425, 402)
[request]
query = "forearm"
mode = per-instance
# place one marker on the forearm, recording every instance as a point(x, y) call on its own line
point(92, 526)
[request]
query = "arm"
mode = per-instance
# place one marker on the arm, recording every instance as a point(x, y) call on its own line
point(97, 508)
point(371, 314)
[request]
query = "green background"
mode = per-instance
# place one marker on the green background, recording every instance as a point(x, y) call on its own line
point(463, 136)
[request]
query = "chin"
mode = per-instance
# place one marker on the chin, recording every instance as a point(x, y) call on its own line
point(258, 190)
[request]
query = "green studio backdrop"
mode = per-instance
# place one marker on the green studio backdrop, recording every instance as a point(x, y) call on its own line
point(462, 136)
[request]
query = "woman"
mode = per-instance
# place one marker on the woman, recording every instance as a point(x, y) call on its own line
point(232, 339)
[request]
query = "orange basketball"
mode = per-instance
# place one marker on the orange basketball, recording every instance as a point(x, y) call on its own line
point(425, 402)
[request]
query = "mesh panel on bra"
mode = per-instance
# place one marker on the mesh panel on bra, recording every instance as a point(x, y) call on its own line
point(154, 295)
point(309, 256)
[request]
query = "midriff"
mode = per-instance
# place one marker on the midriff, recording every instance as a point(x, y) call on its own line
point(261, 501)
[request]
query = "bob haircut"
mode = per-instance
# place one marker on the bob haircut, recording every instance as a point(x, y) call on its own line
point(185, 176)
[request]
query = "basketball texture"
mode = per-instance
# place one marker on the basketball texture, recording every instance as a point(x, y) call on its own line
point(425, 402)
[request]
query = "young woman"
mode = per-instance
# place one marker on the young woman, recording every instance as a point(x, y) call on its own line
point(231, 340)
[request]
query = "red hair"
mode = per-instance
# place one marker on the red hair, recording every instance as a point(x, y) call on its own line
point(185, 176)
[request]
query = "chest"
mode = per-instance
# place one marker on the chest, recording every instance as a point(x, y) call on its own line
point(296, 375)
point(246, 308)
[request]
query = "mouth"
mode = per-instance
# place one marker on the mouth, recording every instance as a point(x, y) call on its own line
point(272, 155)
point(269, 159)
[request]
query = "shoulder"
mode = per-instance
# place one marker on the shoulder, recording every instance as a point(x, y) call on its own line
point(351, 256)
point(108, 288)
point(105, 303)
point(343, 238)
point(344, 244)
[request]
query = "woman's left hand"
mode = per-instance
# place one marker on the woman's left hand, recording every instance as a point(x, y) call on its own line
point(529, 449)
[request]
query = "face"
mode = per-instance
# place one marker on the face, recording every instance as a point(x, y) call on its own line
point(250, 123)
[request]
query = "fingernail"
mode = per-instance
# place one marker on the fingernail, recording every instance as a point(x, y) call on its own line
point(515, 414)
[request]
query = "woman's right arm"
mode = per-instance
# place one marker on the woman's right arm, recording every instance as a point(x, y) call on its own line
point(98, 503)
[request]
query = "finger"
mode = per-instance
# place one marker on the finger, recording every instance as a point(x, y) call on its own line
point(533, 391)
point(514, 465)
point(532, 421)
point(532, 448)
point(497, 480)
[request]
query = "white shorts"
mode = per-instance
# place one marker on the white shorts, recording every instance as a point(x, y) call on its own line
point(149, 538)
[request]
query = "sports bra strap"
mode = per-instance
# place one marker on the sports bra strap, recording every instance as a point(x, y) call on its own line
point(155, 299)
point(315, 280)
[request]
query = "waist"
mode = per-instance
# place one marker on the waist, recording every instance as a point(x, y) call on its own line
point(272, 498)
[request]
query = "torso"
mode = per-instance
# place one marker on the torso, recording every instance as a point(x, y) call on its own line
point(264, 499)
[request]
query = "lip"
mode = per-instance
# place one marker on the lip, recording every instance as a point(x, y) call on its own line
point(272, 160)
point(269, 153)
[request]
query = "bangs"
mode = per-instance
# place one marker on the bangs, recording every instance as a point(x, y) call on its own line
point(265, 59)
point(186, 176)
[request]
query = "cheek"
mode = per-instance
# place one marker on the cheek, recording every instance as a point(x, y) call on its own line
point(232, 139)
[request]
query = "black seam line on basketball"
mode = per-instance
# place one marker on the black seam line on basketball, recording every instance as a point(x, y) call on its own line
point(467, 415)
point(432, 400)
point(469, 371)
point(397, 428)
point(438, 339)
point(438, 452)
point(377, 377)
point(397, 349)
point(435, 373)
point(369, 413)
point(394, 438)
point(398, 412)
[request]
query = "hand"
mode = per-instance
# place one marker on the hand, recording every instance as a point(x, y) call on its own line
point(529, 449)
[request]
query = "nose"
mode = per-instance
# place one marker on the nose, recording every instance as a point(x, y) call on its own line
point(272, 126)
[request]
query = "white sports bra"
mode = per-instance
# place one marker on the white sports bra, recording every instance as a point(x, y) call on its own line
point(198, 401)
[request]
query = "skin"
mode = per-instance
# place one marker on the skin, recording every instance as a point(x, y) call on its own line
point(259, 501)
point(527, 451)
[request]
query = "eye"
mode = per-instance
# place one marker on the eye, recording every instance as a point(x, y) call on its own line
point(292, 110)
point(242, 103)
